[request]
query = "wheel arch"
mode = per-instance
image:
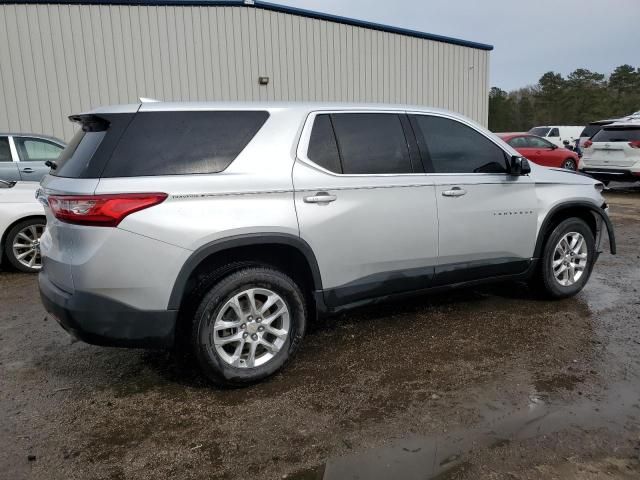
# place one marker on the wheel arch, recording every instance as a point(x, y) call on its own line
point(581, 209)
point(258, 248)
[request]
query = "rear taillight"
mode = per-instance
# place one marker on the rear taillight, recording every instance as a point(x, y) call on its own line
point(587, 144)
point(101, 210)
point(635, 144)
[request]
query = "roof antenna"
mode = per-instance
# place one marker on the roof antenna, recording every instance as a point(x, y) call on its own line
point(148, 100)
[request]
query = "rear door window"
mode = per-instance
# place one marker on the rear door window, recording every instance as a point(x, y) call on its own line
point(371, 143)
point(535, 142)
point(323, 149)
point(453, 147)
point(618, 134)
point(183, 143)
point(36, 149)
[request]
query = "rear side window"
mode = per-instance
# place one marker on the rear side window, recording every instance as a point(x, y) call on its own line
point(554, 132)
point(5, 151)
point(371, 143)
point(323, 149)
point(183, 143)
point(456, 148)
point(591, 129)
point(624, 134)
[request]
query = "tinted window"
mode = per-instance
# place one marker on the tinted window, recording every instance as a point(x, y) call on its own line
point(174, 143)
point(554, 133)
point(36, 150)
point(5, 151)
point(535, 142)
point(456, 148)
point(371, 143)
point(540, 131)
point(89, 150)
point(518, 142)
point(591, 129)
point(628, 134)
point(323, 148)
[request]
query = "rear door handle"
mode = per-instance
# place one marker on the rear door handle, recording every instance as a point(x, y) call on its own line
point(320, 197)
point(27, 170)
point(454, 192)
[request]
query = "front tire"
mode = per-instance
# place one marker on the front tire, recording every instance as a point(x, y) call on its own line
point(570, 164)
point(567, 260)
point(248, 326)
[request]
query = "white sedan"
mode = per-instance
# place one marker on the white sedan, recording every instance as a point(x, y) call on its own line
point(22, 222)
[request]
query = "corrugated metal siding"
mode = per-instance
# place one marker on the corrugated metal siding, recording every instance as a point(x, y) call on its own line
point(61, 59)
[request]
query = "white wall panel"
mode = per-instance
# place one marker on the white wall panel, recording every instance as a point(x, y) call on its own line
point(58, 59)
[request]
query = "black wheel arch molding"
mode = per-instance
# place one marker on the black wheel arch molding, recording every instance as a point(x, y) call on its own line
point(243, 240)
point(577, 204)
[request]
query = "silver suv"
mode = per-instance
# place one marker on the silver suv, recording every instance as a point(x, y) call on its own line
point(230, 226)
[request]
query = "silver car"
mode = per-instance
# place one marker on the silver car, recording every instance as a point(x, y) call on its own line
point(24, 156)
point(230, 227)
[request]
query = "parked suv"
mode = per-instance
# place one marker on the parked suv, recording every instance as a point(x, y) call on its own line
point(614, 153)
point(230, 227)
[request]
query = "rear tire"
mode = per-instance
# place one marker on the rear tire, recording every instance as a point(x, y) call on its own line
point(22, 245)
point(567, 259)
point(248, 326)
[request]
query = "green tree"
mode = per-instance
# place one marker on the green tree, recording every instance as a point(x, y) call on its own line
point(583, 96)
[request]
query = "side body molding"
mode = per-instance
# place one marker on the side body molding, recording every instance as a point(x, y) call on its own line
point(241, 241)
point(569, 205)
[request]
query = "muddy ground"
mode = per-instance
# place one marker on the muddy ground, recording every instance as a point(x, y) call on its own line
point(484, 383)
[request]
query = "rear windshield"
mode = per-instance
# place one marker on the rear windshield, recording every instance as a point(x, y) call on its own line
point(157, 143)
point(540, 131)
point(618, 134)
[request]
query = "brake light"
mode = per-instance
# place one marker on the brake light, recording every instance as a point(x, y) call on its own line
point(101, 210)
point(635, 144)
point(587, 144)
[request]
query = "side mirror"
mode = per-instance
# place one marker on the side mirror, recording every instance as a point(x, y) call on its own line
point(554, 146)
point(519, 166)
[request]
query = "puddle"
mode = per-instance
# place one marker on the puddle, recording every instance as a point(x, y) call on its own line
point(439, 457)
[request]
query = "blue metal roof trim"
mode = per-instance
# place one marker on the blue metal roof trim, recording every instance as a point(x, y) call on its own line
point(277, 8)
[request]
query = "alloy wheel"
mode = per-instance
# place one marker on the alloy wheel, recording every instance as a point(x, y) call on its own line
point(26, 246)
point(569, 260)
point(251, 328)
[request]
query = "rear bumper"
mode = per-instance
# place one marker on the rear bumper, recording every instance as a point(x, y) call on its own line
point(102, 321)
point(614, 175)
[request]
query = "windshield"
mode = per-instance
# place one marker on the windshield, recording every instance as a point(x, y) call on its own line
point(618, 134)
point(540, 131)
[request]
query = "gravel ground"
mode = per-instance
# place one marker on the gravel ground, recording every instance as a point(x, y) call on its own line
point(482, 383)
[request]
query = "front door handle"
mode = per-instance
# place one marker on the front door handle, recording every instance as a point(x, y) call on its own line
point(454, 192)
point(320, 197)
point(27, 170)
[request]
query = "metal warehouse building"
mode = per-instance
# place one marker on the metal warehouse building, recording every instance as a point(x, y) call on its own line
point(58, 58)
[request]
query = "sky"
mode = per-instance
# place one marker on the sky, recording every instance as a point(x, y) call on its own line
point(529, 37)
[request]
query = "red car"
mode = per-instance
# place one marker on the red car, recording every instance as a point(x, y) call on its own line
point(540, 151)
